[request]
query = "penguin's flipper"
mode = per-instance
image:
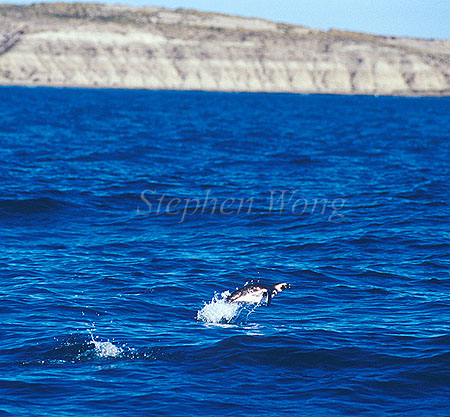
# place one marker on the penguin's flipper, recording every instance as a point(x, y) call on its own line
point(269, 298)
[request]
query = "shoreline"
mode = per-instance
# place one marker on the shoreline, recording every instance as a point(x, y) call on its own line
point(430, 94)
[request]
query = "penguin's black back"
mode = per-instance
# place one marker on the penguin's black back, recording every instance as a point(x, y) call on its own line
point(249, 288)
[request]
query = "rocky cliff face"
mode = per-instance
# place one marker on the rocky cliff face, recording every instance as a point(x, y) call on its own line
point(96, 45)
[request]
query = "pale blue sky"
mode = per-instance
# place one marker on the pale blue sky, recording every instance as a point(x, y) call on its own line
point(421, 18)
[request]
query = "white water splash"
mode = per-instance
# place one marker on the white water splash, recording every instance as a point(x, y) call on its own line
point(218, 310)
point(105, 349)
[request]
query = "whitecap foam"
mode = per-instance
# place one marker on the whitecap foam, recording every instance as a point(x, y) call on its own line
point(218, 310)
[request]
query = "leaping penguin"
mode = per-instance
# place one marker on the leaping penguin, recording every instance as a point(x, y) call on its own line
point(254, 293)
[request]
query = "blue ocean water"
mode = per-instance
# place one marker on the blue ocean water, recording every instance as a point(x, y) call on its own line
point(126, 215)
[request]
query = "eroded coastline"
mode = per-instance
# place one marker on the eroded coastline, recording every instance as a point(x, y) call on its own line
point(106, 46)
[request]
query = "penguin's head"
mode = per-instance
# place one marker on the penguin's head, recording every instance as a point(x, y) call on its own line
point(281, 286)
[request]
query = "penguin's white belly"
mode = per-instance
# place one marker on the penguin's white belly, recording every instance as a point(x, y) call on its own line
point(253, 297)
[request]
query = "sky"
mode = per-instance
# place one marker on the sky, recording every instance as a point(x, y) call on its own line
point(416, 18)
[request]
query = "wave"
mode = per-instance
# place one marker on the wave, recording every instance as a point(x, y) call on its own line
point(80, 349)
point(289, 353)
point(284, 351)
point(76, 349)
point(32, 205)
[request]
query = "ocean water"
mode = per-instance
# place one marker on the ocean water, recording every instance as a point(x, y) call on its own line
point(126, 216)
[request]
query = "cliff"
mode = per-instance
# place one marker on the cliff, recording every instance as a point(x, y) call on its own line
point(94, 45)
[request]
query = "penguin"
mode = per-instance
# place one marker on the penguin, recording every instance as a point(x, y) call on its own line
point(254, 293)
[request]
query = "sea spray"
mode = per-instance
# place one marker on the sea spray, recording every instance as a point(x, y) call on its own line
point(218, 310)
point(105, 349)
